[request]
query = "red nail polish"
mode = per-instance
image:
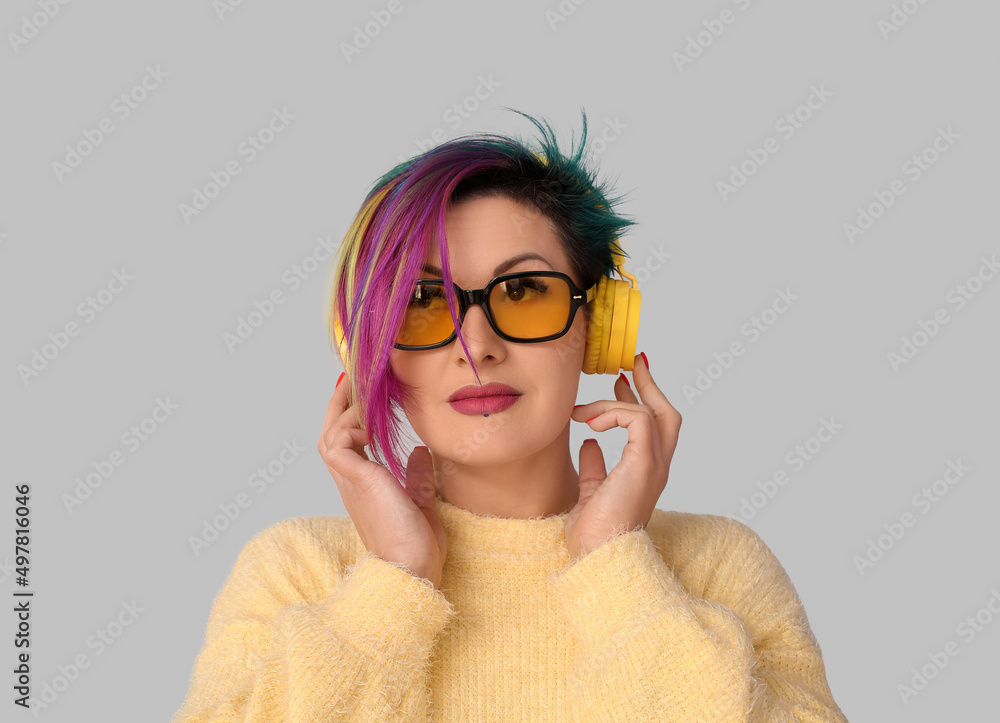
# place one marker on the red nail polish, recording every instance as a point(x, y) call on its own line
point(579, 405)
point(643, 354)
point(340, 379)
point(622, 377)
point(592, 419)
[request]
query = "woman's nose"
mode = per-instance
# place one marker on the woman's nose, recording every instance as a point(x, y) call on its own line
point(476, 325)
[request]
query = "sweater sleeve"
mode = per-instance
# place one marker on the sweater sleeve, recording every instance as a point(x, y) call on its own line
point(652, 651)
point(358, 653)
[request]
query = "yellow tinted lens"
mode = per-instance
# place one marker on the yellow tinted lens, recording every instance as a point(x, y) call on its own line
point(531, 307)
point(427, 319)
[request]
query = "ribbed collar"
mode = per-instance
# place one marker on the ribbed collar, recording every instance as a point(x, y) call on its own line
point(470, 532)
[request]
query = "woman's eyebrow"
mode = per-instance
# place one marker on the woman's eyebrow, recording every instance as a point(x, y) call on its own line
point(501, 267)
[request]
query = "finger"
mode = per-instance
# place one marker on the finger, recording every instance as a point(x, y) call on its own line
point(420, 477)
point(663, 411)
point(592, 465)
point(585, 412)
point(337, 404)
point(346, 454)
point(640, 424)
point(349, 438)
point(623, 391)
point(346, 417)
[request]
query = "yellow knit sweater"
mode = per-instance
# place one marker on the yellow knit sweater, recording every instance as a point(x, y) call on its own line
point(691, 618)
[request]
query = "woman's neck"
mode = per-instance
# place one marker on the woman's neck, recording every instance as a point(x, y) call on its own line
point(543, 484)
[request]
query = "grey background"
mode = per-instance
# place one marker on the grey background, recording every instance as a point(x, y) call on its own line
point(678, 134)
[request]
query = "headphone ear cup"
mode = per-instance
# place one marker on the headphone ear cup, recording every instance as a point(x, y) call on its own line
point(614, 328)
point(631, 329)
point(616, 332)
point(595, 329)
point(605, 342)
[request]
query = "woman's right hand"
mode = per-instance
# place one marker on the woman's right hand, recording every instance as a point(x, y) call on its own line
point(398, 525)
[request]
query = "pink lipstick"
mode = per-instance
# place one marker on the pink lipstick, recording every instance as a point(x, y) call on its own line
point(483, 405)
point(484, 399)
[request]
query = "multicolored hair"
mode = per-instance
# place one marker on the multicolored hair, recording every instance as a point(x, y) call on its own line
point(383, 252)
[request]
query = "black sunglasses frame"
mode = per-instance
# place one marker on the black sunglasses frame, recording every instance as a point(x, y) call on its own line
point(577, 298)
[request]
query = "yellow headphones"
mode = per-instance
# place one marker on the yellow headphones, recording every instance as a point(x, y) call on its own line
point(614, 323)
point(613, 330)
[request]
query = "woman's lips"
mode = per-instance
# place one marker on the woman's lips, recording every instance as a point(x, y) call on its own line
point(483, 405)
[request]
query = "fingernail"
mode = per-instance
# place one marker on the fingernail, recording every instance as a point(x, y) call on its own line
point(340, 379)
point(590, 439)
point(622, 377)
point(592, 419)
point(643, 354)
point(579, 405)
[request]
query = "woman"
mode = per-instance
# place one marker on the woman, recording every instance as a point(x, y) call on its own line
point(488, 579)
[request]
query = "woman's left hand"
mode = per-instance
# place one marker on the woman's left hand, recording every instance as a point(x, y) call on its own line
point(624, 500)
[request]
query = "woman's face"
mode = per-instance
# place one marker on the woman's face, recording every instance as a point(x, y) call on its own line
point(483, 236)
